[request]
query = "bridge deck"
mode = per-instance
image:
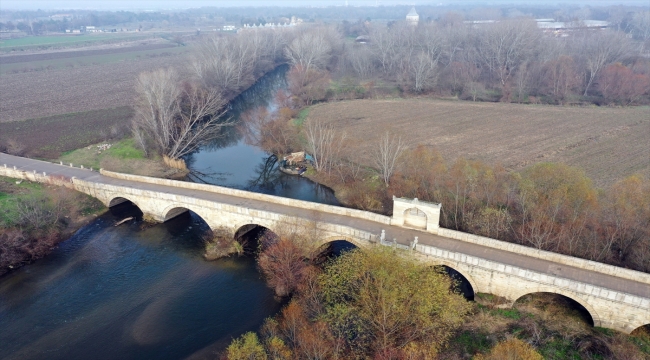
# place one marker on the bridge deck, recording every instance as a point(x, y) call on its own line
point(403, 235)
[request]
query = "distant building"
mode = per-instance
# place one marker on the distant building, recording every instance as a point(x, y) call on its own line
point(362, 39)
point(412, 17)
point(562, 29)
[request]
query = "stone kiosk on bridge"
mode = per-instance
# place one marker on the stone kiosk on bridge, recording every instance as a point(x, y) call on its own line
point(615, 297)
point(416, 214)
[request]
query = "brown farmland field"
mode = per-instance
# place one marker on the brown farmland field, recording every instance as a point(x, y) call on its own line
point(94, 86)
point(608, 143)
point(49, 137)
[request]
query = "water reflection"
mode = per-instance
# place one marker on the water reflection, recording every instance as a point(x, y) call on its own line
point(232, 162)
point(130, 292)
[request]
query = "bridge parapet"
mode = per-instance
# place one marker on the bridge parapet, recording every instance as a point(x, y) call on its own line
point(547, 255)
point(608, 308)
point(360, 214)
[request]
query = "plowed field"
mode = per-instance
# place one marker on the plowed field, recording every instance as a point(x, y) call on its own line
point(608, 143)
point(69, 90)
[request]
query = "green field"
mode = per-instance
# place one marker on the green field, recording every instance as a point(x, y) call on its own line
point(10, 191)
point(56, 40)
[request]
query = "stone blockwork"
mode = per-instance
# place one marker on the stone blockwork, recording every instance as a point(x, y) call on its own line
point(366, 215)
point(610, 309)
point(39, 177)
point(161, 200)
point(416, 214)
point(161, 206)
point(547, 255)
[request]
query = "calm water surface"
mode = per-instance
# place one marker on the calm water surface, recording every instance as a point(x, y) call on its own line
point(143, 292)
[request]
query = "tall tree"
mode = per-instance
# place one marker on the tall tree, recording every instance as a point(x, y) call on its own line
point(387, 153)
point(176, 118)
point(597, 50)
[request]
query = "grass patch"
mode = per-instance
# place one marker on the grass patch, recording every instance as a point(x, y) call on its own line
point(302, 116)
point(125, 149)
point(560, 349)
point(123, 156)
point(91, 156)
point(641, 338)
point(9, 192)
point(472, 342)
point(513, 314)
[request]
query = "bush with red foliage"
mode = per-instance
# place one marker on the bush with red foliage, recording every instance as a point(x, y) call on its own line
point(284, 265)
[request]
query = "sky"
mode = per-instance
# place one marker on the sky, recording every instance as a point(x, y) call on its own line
point(185, 4)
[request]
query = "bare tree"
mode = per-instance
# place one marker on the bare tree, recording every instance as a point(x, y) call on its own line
point(157, 106)
point(641, 26)
point(385, 44)
point(309, 50)
point(176, 118)
point(361, 60)
point(505, 45)
point(522, 79)
point(598, 49)
point(422, 72)
point(386, 154)
point(324, 143)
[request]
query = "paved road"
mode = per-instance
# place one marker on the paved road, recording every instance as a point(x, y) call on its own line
point(403, 235)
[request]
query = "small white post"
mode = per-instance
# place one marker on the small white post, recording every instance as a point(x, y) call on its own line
point(91, 169)
point(44, 174)
point(71, 165)
point(34, 171)
point(60, 162)
point(14, 167)
point(81, 166)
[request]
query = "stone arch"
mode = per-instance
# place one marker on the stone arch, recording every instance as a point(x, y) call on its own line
point(349, 239)
point(462, 272)
point(331, 247)
point(175, 210)
point(241, 230)
point(465, 285)
point(119, 200)
point(592, 312)
point(416, 218)
point(645, 327)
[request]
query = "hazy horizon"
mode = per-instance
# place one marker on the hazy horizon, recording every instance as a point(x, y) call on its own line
point(188, 4)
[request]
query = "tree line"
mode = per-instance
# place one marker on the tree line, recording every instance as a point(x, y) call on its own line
point(510, 60)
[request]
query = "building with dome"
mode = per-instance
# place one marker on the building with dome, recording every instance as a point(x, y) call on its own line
point(412, 17)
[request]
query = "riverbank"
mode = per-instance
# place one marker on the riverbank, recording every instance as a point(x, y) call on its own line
point(37, 217)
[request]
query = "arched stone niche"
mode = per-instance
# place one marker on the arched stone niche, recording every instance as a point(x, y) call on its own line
point(413, 213)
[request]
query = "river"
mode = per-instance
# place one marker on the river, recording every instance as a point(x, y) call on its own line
point(140, 291)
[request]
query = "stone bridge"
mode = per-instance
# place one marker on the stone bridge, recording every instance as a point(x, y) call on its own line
point(616, 298)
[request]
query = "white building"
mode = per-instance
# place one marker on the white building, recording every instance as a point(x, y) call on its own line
point(412, 17)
